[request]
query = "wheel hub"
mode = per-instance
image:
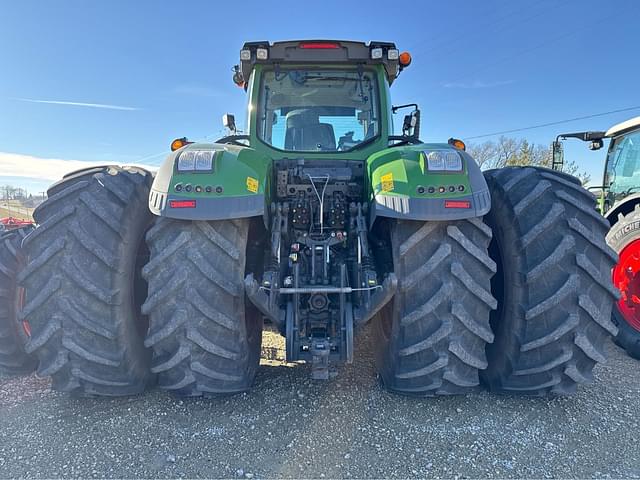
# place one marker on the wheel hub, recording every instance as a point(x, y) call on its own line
point(626, 278)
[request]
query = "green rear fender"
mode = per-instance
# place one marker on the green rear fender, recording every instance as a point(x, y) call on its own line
point(403, 187)
point(235, 188)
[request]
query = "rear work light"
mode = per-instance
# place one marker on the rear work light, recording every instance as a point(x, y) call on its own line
point(443, 161)
point(262, 54)
point(182, 203)
point(319, 45)
point(457, 204)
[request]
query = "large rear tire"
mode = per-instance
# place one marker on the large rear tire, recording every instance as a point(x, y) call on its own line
point(553, 283)
point(430, 339)
point(624, 238)
point(14, 360)
point(82, 294)
point(205, 336)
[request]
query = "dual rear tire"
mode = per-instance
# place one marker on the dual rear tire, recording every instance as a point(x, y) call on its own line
point(546, 328)
point(81, 291)
point(430, 338)
point(520, 301)
point(204, 334)
point(84, 289)
point(553, 282)
point(14, 360)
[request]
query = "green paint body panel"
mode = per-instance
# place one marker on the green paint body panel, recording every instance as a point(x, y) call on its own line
point(407, 167)
point(230, 165)
point(240, 179)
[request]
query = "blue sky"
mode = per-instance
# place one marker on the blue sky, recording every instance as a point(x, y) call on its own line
point(131, 76)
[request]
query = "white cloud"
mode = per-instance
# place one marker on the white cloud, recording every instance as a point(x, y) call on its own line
point(197, 90)
point(477, 84)
point(27, 166)
point(77, 104)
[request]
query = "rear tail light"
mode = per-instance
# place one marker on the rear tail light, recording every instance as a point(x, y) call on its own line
point(457, 204)
point(319, 45)
point(182, 203)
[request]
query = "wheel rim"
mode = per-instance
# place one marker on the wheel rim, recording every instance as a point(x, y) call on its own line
point(626, 278)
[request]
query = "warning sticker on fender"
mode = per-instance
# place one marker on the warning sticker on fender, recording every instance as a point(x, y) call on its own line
point(252, 184)
point(387, 182)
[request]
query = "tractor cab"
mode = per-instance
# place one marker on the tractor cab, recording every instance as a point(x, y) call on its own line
point(319, 96)
point(620, 187)
point(622, 167)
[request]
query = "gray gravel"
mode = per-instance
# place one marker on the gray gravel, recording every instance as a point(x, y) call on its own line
point(289, 426)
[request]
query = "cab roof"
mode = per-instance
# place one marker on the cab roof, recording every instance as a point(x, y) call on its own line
point(321, 52)
point(623, 127)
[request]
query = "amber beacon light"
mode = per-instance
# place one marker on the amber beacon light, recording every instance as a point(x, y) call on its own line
point(178, 143)
point(405, 59)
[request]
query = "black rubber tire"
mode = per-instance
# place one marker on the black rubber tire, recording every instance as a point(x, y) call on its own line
point(628, 338)
point(205, 336)
point(430, 338)
point(622, 233)
point(82, 295)
point(14, 360)
point(553, 283)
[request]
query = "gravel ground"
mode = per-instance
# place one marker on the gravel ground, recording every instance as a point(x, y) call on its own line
point(289, 426)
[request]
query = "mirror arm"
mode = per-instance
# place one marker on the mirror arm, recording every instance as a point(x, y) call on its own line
point(395, 108)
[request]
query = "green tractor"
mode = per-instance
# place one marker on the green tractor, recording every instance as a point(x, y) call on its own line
point(321, 220)
point(620, 205)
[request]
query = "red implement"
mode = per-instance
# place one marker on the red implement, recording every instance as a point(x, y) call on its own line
point(10, 223)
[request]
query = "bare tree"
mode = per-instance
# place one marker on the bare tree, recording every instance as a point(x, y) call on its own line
point(507, 151)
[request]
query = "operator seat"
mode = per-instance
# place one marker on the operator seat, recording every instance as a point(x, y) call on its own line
point(305, 132)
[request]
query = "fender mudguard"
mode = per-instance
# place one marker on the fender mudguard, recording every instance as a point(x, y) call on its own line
point(235, 187)
point(624, 206)
point(403, 187)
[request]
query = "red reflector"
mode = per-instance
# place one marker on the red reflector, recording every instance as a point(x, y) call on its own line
point(457, 204)
point(318, 45)
point(182, 203)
